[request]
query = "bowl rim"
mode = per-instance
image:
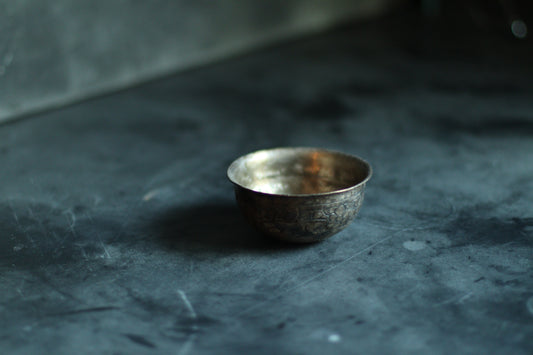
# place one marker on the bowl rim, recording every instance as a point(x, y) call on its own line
point(334, 192)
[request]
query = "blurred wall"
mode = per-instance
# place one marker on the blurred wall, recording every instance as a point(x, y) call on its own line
point(54, 52)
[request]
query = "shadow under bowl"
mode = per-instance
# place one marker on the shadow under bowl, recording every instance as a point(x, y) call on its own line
point(299, 195)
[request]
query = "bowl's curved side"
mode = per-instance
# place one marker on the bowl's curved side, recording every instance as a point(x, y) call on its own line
point(300, 219)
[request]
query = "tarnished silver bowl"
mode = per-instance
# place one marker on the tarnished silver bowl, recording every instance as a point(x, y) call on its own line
point(299, 194)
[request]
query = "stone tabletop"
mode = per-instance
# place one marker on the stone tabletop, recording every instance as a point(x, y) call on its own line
point(119, 231)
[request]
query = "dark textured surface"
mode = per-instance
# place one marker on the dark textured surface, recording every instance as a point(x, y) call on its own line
point(119, 232)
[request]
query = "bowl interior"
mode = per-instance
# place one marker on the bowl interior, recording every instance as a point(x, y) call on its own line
point(298, 171)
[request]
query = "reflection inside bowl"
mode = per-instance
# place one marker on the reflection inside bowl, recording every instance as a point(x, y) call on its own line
point(297, 171)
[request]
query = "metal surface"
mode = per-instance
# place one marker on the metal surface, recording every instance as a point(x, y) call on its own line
point(299, 194)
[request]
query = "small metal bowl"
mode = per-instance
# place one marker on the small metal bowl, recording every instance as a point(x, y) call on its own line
point(299, 194)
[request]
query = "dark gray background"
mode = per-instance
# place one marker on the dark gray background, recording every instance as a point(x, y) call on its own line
point(56, 52)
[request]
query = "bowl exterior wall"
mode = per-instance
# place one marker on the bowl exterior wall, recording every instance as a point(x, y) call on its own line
point(300, 219)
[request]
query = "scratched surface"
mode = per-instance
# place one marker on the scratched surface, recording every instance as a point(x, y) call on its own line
point(119, 232)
